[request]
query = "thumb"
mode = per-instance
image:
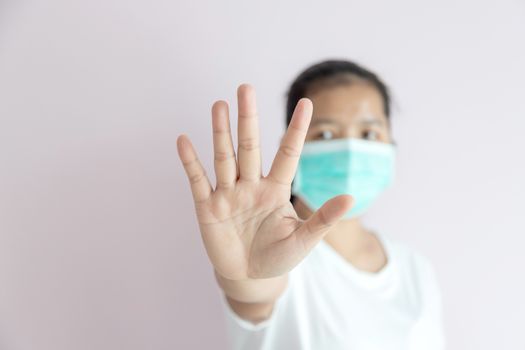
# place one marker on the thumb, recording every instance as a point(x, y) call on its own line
point(317, 225)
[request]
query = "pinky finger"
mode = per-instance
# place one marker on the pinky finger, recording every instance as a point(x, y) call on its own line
point(199, 182)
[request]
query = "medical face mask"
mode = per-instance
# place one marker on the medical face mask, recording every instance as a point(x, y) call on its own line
point(327, 168)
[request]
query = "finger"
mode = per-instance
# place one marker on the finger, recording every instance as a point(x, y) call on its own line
point(285, 162)
point(249, 153)
point(200, 184)
point(224, 154)
point(317, 225)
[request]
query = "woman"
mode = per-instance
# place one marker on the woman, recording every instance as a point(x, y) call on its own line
point(298, 268)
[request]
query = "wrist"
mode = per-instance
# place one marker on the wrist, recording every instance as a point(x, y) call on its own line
point(264, 290)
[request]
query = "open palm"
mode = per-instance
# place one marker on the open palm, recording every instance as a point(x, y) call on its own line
point(248, 225)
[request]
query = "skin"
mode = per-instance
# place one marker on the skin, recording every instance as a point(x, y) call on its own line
point(252, 234)
point(352, 110)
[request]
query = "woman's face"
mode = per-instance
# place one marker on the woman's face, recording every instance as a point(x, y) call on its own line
point(348, 110)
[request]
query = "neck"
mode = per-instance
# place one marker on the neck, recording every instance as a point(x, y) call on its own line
point(348, 235)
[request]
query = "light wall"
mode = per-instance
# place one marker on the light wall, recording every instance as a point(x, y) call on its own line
point(99, 246)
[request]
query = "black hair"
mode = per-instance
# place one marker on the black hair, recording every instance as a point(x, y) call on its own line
point(329, 73)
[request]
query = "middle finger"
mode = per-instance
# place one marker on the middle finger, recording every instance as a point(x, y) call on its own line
point(248, 129)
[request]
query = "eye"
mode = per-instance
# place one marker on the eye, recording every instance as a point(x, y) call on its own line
point(370, 135)
point(324, 135)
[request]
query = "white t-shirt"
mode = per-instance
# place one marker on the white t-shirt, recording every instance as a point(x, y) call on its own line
point(329, 304)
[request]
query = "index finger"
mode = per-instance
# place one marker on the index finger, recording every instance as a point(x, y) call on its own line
point(285, 162)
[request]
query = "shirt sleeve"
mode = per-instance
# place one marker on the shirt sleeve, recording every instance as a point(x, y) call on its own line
point(244, 334)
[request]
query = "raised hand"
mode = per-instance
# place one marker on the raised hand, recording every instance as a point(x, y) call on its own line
point(248, 225)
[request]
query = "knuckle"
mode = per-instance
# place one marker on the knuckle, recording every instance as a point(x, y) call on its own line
point(223, 155)
point(249, 144)
point(196, 177)
point(221, 133)
point(248, 115)
point(187, 164)
point(289, 151)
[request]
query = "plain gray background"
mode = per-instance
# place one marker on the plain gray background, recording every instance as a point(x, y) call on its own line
point(99, 246)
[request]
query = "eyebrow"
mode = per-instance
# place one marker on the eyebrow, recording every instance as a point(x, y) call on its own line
point(364, 121)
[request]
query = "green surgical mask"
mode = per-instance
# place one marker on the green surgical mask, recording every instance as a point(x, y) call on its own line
point(327, 168)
